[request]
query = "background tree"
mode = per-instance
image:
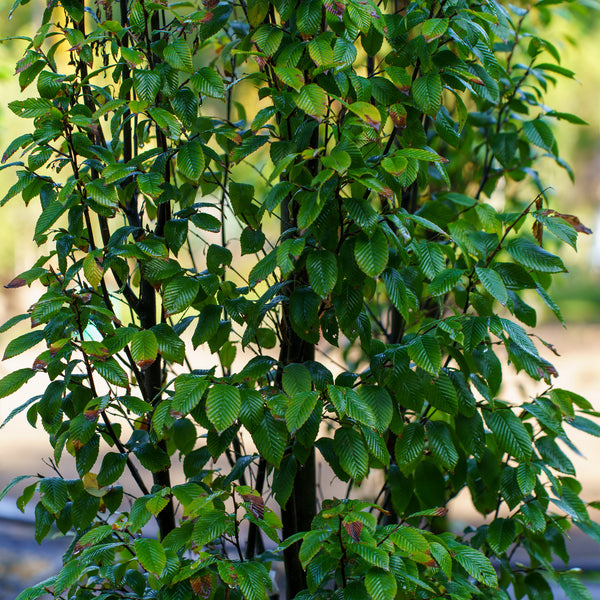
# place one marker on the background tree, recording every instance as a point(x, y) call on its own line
point(352, 149)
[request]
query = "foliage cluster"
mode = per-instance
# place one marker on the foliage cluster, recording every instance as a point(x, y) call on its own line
point(349, 150)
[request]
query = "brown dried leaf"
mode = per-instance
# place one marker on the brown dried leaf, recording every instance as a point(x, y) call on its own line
point(550, 346)
point(16, 282)
point(202, 586)
point(91, 415)
point(539, 202)
point(142, 424)
point(261, 61)
point(398, 115)
point(39, 365)
point(336, 9)
point(538, 232)
point(572, 220)
point(257, 505)
point(144, 364)
point(354, 529)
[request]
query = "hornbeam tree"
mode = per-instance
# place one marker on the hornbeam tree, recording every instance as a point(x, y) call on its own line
point(269, 258)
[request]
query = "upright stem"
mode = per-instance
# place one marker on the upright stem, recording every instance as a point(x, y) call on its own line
point(301, 507)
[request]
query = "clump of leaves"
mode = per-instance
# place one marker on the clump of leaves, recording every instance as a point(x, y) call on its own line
point(289, 187)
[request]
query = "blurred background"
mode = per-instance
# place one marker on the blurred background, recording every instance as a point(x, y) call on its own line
point(22, 448)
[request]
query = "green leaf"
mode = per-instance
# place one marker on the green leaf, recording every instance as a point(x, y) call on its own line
point(572, 586)
point(209, 526)
point(501, 534)
point(431, 259)
point(427, 93)
point(476, 565)
point(510, 433)
point(23, 343)
point(372, 555)
point(532, 256)
point(299, 409)
point(371, 253)
point(105, 196)
point(367, 113)
point(304, 314)
point(223, 405)
point(189, 390)
point(291, 76)
point(150, 184)
point(190, 160)
point(434, 28)
point(425, 351)
point(112, 371)
point(410, 540)
point(311, 544)
point(13, 321)
point(252, 579)
point(68, 575)
point(179, 293)
point(271, 438)
point(380, 404)
point(445, 281)
point(397, 292)
point(344, 53)
point(170, 345)
point(268, 39)
point(320, 50)
point(151, 555)
point(54, 494)
point(493, 283)
point(208, 83)
point(49, 216)
point(395, 165)
point(13, 381)
point(352, 453)
point(146, 84)
point(441, 444)
point(112, 468)
point(144, 348)
point(518, 335)
point(296, 379)
point(312, 99)
point(410, 445)
point(308, 17)
point(12, 484)
point(178, 54)
point(539, 133)
point(553, 456)
point(321, 266)
point(380, 584)
point(257, 11)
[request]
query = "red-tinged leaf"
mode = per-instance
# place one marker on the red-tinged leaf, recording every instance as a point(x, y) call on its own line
point(16, 283)
point(353, 529)
point(207, 18)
